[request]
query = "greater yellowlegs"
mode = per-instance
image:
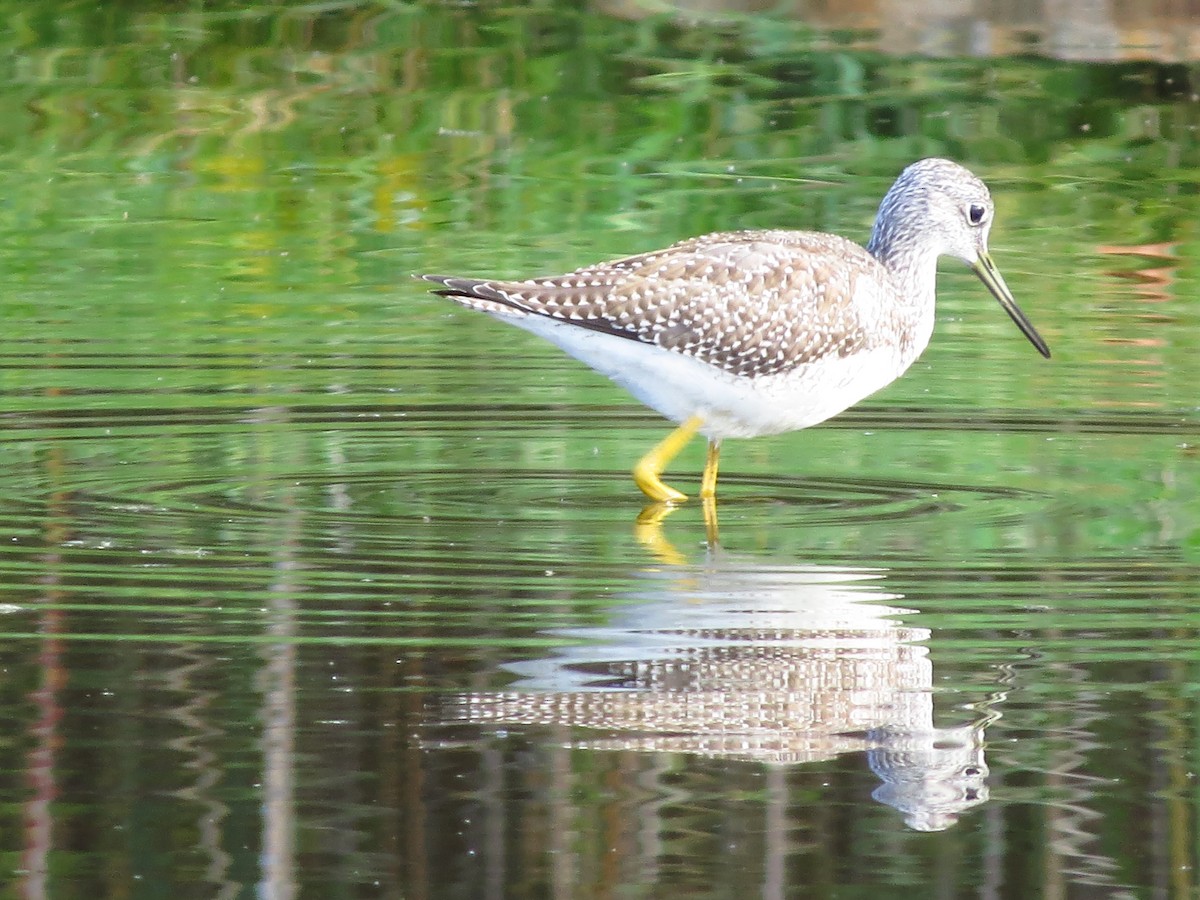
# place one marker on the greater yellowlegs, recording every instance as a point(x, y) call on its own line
point(746, 333)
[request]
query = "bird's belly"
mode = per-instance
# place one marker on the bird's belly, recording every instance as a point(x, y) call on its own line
point(800, 398)
point(680, 387)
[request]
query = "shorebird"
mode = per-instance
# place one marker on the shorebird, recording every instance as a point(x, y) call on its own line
point(745, 333)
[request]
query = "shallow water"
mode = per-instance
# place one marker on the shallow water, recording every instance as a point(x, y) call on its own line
point(314, 584)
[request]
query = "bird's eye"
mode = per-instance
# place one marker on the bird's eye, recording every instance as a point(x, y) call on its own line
point(975, 213)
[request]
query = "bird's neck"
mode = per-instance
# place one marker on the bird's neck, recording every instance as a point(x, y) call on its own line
point(908, 253)
point(912, 267)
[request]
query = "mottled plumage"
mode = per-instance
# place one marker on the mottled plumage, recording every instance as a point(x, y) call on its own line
point(748, 302)
point(743, 333)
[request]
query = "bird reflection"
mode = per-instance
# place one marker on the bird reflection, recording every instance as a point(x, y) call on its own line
point(780, 664)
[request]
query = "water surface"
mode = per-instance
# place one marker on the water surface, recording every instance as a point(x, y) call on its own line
point(315, 584)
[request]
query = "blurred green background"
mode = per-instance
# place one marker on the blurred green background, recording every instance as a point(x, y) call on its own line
point(265, 504)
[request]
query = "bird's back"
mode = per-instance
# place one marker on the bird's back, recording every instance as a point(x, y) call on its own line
point(750, 303)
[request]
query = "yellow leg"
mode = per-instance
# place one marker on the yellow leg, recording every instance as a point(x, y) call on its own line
point(650, 466)
point(710, 522)
point(708, 484)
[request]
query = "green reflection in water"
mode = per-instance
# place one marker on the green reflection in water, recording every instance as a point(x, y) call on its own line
point(263, 503)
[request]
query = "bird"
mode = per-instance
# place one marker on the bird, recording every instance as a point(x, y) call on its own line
point(740, 334)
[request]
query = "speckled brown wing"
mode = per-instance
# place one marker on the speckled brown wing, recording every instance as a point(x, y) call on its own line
point(749, 302)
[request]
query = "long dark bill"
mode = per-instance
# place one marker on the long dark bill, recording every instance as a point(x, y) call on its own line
point(990, 276)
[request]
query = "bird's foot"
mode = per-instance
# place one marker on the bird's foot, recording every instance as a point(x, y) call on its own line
point(653, 487)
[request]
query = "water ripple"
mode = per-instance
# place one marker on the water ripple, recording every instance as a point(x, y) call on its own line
point(31, 425)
